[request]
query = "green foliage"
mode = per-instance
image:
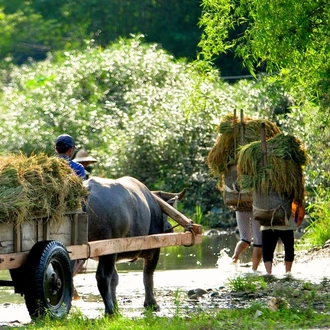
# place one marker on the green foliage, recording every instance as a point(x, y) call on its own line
point(287, 36)
point(198, 216)
point(312, 127)
point(247, 283)
point(318, 231)
point(173, 24)
point(25, 34)
point(289, 40)
point(139, 111)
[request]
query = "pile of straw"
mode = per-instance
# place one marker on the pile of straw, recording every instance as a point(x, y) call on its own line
point(38, 186)
point(283, 172)
point(233, 135)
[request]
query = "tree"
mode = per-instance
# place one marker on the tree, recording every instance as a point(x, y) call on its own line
point(287, 37)
point(25, 34)
point(289, 40)
point(172, 24)
point(139, 111)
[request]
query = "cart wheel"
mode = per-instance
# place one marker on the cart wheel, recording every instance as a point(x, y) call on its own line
point(49, 285)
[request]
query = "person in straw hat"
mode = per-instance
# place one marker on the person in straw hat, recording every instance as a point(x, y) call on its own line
point(85, 160)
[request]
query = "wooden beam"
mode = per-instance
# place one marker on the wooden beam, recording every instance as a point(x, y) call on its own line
point(110, 246)
point(117, 245)
point(12, 260)
point(177, 216)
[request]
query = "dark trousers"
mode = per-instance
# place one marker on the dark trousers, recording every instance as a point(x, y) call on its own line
point(269, 241)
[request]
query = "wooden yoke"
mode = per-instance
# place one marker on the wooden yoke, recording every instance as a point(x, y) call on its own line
point(179, 217)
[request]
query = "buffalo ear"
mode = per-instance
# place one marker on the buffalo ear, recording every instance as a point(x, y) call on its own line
point(173, 201)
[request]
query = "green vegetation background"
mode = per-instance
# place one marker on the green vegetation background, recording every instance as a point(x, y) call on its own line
point(139, 103)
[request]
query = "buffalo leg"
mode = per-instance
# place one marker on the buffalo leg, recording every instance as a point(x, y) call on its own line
point(104, 275)
point(150, 265)
point(113, 286)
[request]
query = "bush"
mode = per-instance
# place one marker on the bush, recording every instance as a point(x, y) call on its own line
point(132, 106)
point(318, 231)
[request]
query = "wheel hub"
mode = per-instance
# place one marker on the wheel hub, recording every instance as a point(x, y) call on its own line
point(55, 283)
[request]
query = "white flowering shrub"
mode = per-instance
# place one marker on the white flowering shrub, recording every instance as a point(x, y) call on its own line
point(133, 106)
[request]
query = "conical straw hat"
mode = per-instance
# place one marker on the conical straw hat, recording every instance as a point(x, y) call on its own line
point(83, 156)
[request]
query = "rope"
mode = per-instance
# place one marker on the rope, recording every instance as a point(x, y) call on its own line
point(285, 218)
point(189, 227)
point(171, 229)
point(286, 221)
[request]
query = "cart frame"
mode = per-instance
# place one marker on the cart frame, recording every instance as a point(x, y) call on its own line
point(39, 254)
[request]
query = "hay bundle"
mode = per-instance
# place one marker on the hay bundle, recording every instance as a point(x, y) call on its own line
point(223, 154)
point(283, 172)
point(37, 186)
point(222, 158)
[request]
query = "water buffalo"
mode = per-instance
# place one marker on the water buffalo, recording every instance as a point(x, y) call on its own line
point(125, 208)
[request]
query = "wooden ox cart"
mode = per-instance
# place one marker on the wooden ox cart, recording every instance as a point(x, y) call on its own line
point(41, 251)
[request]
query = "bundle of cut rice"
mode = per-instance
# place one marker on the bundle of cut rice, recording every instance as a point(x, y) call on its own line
point(283, 172)
point(38, 186)
point(224, 154)
point(222, 158)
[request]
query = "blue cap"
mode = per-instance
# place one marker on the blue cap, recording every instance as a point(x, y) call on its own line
point(65, 140)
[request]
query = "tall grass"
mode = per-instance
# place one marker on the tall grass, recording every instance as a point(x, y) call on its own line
point(255, 317)
point(247, 283)
point(198, 215)
point(318, 231)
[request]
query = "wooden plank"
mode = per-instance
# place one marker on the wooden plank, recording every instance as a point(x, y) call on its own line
point(82, 237)
point(40, 229)
point(12, 260)
point(74, 229)
point(29, 235)
point(17, 238)
point(46, 229)
point(177, 216)
point(117, 245)
point(6, 238)
point(21, 238)
point(110, 246)
point(79, 229)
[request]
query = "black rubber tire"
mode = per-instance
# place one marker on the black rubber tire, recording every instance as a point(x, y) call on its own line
point(49, 284)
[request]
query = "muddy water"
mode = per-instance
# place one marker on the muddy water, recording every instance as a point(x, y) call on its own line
point(180, 269)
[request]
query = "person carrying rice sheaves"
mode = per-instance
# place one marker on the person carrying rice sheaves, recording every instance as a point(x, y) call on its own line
point(272, 169)
point(222, 161)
